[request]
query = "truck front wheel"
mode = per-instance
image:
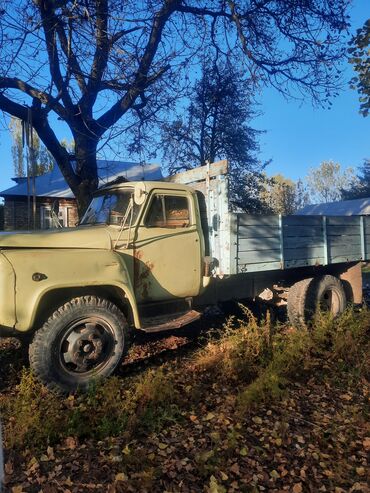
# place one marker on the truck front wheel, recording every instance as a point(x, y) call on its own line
point(307, 296)
point(83, 340)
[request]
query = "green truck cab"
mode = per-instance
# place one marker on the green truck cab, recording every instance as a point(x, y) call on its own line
point(150, 256)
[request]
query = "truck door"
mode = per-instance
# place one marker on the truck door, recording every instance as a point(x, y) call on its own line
point(167, 248)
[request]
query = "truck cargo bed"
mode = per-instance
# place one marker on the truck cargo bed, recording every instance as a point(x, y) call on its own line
point(243, 243)
point(283, 242)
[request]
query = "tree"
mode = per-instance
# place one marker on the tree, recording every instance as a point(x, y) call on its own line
point(17, 147)
point(360, 59)
point(361, 187)
point(44, 162)
point(214, 126)
point(95, 62)
point(327, 182)
point(302, 195)
point(284, 196)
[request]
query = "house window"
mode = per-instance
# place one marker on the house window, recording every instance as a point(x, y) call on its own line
point(53, 218)
point(168, 211)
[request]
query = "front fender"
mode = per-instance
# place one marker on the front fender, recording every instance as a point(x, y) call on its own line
point(40, 271)
point(7, 294)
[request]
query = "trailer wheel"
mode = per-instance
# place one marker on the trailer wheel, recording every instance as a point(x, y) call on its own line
point(305, 297)
point(83, 340)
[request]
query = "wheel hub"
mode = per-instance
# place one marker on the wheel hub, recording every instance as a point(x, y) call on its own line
point(87, 344)
point(330, 301)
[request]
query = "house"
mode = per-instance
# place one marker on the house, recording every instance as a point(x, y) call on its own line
point(55, 205)
point(354, 207)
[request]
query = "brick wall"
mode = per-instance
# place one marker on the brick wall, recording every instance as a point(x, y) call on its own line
point(72, 212)
point(16, 212)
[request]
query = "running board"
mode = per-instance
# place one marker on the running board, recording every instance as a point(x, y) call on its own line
point(165, 322)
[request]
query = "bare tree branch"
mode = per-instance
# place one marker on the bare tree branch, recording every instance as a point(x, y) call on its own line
point(141, 80)
point(49, 28)
point(44, 98)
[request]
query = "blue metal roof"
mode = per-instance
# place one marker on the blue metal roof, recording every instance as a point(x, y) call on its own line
point(53, 184)
point(354, 207)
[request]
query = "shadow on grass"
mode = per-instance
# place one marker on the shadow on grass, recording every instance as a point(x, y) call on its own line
point(13, 357)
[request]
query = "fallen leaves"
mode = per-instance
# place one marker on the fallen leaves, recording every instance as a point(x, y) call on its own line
point(366, 443)
point(209, 417)
point(235, 469)
point(71, 443)
point(215, 487)
point(297, 488)
point(315, 439)
point(274, 474)
point(121, 476)
point(8, 467)
point(243, 452)
point(17, 489)
point(346, 397)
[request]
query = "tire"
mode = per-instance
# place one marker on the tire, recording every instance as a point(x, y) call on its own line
point(83, 340)
point(307, 296)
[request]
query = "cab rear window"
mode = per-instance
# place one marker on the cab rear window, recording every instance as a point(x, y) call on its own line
point(168, 211)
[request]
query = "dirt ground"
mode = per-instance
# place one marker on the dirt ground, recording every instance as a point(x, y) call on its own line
point(316, 439)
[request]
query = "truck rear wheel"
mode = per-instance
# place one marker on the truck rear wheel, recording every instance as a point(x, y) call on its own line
point(305, 297)
point(83, 340)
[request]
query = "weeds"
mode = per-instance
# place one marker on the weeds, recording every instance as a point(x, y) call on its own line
point(153, 401)
point(36, 417)
point(341, 342)
point(101, 412)
point(33, 414)
point(289, 357)
point(253, 361)
point(239, 352)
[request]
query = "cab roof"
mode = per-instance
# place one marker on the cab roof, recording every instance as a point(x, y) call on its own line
point(149, 185)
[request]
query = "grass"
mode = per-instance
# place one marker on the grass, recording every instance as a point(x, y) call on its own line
point(341, 343)
point(254, 362)
point(264, 359)
point(36, 417)
point(238, 351)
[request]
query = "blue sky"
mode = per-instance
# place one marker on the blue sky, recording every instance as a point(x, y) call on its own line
point(298, 136)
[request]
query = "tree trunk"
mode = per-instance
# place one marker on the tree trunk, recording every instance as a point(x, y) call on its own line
point(86, 170)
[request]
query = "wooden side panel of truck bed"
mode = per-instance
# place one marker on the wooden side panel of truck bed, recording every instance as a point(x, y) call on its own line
point(282, 242)
point(243, 243)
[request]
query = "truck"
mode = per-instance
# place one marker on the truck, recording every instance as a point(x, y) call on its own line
point(151, 256)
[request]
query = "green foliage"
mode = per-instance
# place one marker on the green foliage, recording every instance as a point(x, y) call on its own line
point(39, 155)
point(36, 416)
point(288, 356)
point(361, 187)
point(342, 341)
point(33, 415)
point(239, 352)
point(153, 401)
point(245, 364)
point(216, 125)
point(101, 412)
point(345, 340)
point(360, 59)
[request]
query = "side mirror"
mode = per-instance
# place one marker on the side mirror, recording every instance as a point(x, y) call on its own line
point(140, 193)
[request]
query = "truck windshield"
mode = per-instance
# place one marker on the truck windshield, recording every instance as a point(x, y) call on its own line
point(110, 208)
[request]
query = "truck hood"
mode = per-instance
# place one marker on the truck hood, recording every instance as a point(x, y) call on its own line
point(80, 237)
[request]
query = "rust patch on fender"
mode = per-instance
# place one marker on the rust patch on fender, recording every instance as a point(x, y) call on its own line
point(142, 272)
